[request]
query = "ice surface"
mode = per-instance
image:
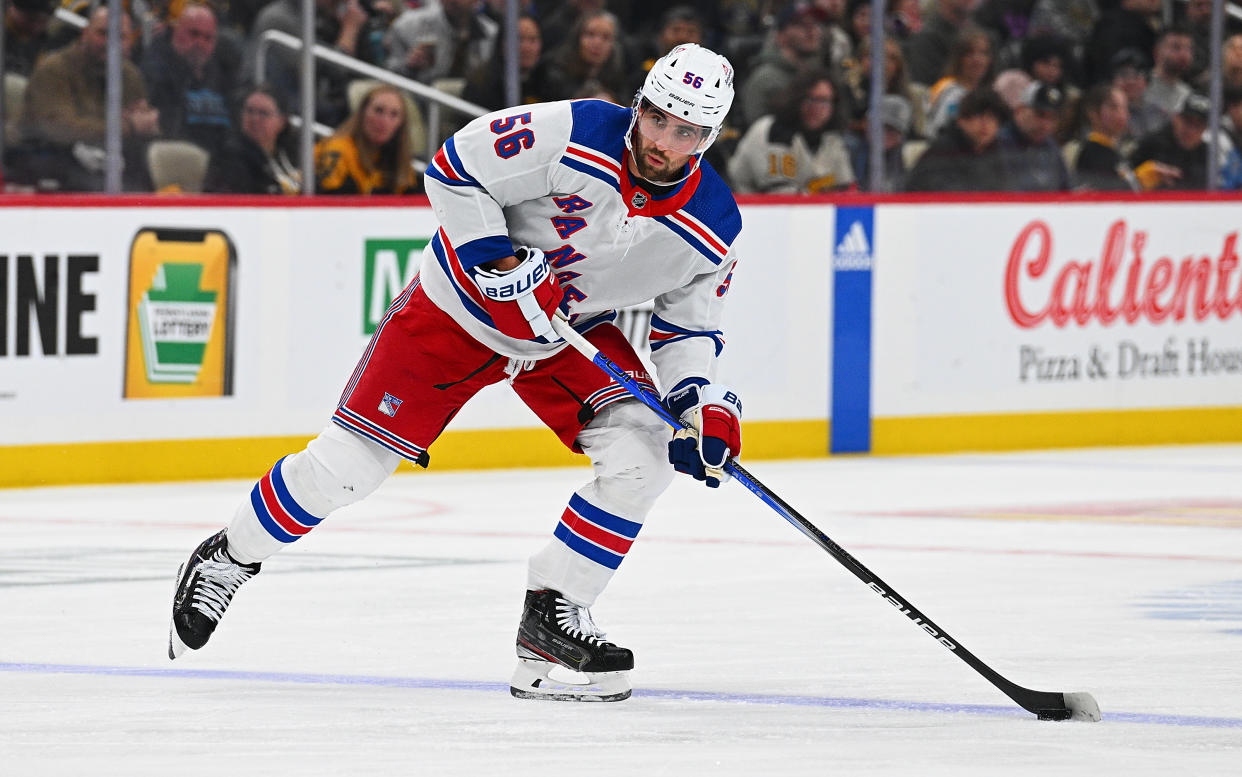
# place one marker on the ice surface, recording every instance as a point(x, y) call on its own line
point(382, 643)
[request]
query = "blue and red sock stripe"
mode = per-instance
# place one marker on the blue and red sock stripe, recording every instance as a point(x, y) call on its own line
point(595, 533)
point(278, 512)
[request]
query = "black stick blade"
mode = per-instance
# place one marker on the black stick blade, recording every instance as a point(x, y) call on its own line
point(1077, 706)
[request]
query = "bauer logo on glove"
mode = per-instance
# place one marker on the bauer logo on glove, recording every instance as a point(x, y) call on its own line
point(522, 300)
point(714, 433)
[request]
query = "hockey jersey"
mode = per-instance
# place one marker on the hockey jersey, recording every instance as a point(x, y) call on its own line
point(554, 176)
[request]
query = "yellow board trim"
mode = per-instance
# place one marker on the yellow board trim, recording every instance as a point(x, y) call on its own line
point(26, 466)
point(1022, 431)
point(144, 461)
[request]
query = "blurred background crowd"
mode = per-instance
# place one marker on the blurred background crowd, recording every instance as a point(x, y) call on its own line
point(979, 95)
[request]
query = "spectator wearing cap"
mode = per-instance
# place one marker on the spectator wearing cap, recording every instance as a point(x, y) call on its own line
point(25, 34)
point(796, 43)
point(1100, 165)
point(1049, 61)
point(895, 119)
point(800, 148)
point(1179, 145)
point(1126, 26)
point(965, 156)
point(1167, 87)
point(1129, 74)
point(927, 51)
point(1028, 142)
point(969, 67)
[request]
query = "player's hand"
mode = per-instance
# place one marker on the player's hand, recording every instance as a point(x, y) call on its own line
point(523, 298)
point(714, 414)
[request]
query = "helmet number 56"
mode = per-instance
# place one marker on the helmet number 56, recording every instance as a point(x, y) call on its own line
point(693, 80)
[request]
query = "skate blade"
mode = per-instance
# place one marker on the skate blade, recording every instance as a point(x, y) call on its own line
point(175, 646)
point(531, 681)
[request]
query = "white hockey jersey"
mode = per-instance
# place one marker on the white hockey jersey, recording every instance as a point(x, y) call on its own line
point(554, 176)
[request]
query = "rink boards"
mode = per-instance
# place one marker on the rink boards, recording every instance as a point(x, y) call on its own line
point(145, 339)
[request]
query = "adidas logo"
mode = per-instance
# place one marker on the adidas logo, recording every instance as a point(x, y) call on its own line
point(853, 252)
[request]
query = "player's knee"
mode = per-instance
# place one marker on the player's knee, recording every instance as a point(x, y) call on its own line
point(344, 466)
point(631, 464)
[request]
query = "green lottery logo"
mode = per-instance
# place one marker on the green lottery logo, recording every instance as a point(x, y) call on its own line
point(175, 316)
point(390, 265)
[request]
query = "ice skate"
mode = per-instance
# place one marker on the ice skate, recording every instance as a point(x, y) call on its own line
point(205, 586)
point(555, 632)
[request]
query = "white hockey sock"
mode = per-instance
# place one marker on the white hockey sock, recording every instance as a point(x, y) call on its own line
point(627, 446)
point(336, 468)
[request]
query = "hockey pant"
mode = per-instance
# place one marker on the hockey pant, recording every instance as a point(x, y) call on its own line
point(417, 372)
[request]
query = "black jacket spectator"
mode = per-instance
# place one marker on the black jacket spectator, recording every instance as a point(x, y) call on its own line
point(189, 81)
point(953, 164)
point(1163, 146)
point(1031, 166)
point(1101, 167)
point(965, 156)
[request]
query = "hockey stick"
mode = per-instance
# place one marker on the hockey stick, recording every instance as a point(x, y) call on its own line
point(1046, 705)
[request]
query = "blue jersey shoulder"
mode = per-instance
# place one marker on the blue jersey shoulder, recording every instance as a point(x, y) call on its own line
point(600, 126)
point(713, 204)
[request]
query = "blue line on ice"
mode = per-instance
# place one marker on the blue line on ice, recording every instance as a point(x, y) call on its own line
point(659, 694)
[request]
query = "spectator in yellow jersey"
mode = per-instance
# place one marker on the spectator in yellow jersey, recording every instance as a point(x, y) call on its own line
point(370, 153)
point(800, 149)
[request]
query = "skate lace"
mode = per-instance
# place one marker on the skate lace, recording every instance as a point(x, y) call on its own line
point(576, 621)
point(218, 579)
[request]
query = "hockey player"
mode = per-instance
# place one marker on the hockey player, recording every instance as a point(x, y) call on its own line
point(578, 207)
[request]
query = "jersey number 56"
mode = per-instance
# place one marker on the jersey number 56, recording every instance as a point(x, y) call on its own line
point(512, 143)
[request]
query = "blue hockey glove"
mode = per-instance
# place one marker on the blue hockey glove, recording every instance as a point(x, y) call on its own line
point(714, 414)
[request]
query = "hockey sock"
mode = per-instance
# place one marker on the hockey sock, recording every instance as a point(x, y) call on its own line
point(603, 517)
point(336, 468)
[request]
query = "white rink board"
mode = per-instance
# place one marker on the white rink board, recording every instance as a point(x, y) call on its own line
point(948, 337)
point(299, 321)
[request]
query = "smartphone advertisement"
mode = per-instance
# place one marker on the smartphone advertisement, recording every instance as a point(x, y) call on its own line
point(179, 337)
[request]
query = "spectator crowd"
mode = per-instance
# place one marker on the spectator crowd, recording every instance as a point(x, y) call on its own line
point(979, 95)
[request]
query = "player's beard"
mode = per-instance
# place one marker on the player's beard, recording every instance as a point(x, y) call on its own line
point(665, 171)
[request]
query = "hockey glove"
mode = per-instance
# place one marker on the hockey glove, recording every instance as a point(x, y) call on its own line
point(714, 414)
point(523, 300)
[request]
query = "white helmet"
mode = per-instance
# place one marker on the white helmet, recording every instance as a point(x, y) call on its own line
point(693, 84)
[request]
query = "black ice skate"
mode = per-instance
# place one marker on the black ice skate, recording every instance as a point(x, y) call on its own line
point(555, 631)
point(205, 586)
